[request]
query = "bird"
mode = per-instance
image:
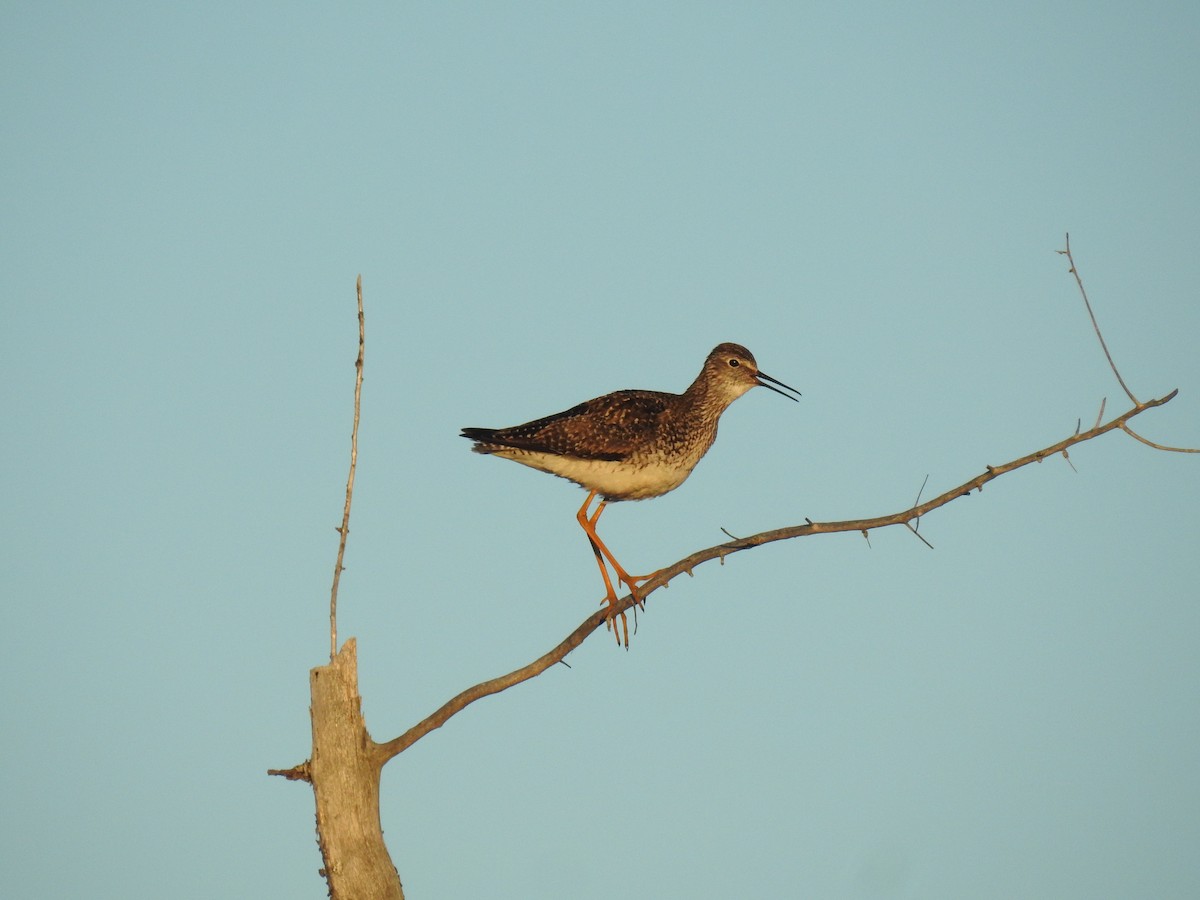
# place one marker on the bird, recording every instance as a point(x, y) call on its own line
point(630, 445)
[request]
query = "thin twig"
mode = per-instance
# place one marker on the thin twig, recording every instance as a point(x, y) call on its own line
point(915, 528)
point(1149, 443)
point(1088, 304)
point(920, 536)
point(1100, 416)
point(345, 527)
point(386, 751)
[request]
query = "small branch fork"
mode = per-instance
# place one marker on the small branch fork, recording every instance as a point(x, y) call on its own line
point(1066, 251)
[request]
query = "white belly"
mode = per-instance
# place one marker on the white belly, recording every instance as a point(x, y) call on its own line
point(616, 481)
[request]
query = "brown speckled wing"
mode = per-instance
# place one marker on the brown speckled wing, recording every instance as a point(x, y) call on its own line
point(609, 428)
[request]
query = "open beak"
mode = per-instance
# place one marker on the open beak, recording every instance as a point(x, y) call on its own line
point(764, 378)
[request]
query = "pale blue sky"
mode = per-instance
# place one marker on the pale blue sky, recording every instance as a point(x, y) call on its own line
point(548, 201)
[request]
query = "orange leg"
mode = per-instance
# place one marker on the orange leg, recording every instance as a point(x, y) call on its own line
point(610, 596)
point(588, 524)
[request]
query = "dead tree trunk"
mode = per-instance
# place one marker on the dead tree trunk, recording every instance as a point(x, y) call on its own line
point(344, 771)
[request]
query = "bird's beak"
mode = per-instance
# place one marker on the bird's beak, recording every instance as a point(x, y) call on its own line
point(763, 378)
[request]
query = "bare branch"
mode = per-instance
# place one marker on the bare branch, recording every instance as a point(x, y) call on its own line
point(1088, 304)
point(344, 530)
point(494, 686)
point(661, 578)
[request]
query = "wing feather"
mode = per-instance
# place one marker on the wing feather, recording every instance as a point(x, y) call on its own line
point(611, 427)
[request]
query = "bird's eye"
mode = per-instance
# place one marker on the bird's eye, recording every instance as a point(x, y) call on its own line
point(734, 363)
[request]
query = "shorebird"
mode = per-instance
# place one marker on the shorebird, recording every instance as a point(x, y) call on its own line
point(630, 445)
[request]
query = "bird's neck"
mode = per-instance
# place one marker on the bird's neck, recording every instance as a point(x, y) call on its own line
point(710, 396)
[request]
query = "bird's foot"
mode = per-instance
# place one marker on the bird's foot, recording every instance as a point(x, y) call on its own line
point(632, 582)
point(639, 602)
point(620, 631)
